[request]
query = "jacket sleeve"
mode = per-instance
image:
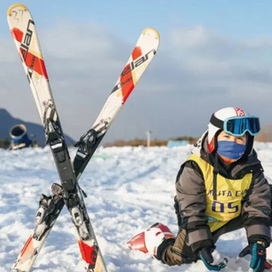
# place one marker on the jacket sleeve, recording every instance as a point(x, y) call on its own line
point(191, 194)
point(257, 209)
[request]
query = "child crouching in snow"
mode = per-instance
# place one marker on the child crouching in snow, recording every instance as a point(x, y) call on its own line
point(220, 188)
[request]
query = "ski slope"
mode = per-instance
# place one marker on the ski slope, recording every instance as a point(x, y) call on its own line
point(128, 189)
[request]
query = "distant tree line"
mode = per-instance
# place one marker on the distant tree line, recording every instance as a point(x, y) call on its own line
point(135, 142)
point(154, 142)
point(190, 139)
point(264, 136)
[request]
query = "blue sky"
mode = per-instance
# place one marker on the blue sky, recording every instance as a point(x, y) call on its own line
point(212, 54)
point(243, 18)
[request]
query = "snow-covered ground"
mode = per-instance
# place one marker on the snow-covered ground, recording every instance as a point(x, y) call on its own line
point(128, 190)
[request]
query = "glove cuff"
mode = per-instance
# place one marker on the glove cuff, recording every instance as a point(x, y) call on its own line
point(255, 238)
point(196, 247)
point(163, 247)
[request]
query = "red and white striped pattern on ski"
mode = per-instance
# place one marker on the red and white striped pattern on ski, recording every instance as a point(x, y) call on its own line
point(144, 51)
point(127, 79)
point(26, 40)
point(32, 60)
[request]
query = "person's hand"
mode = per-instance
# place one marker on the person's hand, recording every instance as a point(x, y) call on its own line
point(205, 255)
point(257, 249)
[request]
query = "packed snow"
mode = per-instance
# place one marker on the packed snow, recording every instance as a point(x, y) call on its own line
point(128, 190)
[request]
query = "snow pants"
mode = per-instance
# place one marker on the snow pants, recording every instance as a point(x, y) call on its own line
point(180, 247)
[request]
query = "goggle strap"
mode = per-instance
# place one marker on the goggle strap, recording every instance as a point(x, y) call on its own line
point(217, 122)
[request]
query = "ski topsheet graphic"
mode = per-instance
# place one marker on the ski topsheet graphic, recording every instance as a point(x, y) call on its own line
point(24, 33)
point(142, 54)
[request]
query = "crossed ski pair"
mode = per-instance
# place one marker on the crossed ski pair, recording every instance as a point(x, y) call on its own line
point(23, 30)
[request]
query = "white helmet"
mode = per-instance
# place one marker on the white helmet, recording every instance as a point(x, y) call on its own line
point(232, 118)
point(149, 240)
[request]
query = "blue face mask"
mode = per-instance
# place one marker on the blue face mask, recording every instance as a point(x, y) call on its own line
point(231, 150)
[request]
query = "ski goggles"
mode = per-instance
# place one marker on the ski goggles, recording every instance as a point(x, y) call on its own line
point(238, 125)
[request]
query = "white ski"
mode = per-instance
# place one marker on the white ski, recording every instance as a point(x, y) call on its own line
point(23, 30)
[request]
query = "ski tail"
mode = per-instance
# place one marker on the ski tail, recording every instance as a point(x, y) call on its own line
point(140, 58)
point(46, 215)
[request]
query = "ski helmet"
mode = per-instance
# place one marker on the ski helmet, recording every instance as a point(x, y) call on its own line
point(235, 121)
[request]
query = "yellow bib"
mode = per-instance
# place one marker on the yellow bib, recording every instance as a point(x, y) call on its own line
point(230, 193)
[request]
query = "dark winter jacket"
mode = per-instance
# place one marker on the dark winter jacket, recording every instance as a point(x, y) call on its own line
point(192, 194)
